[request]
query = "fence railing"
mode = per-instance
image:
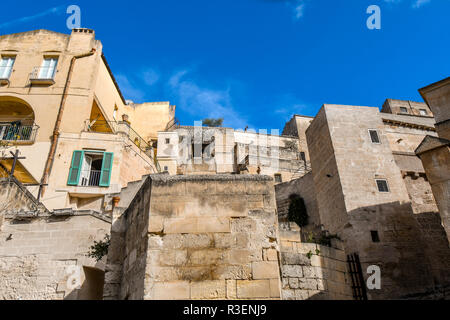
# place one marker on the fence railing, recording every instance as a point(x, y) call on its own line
point(14, 132)
point(42, 73)
point(124, 128)
point(90, 178)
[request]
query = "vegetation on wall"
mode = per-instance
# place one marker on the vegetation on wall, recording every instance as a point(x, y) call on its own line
point(213, 123)
point(100, 249)
point(323, 238)
point(297, 211)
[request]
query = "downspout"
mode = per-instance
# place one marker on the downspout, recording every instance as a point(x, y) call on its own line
point(56, 131)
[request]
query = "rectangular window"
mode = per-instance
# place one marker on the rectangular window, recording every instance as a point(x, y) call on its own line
point(374, 136)
point(278, 178)
point(90, 169)
point(6, 65)
point(423, 112)
point(382, 185)
point(167, 141)
point(403, 110)
point(375, 236)
point(48, 68)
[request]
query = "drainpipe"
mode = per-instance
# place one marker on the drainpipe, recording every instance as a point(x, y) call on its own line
point(56, 131)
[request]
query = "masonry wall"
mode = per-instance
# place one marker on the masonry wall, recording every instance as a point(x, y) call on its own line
point(209, 237)
point(401, 251)
point(313, 272)
point(36, 254)
point(304, 187)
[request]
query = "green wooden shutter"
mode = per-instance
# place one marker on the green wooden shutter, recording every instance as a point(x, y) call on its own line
point(105, 177)
point(75, 168)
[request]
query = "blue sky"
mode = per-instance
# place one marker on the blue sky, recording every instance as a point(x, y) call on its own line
point(258, 62)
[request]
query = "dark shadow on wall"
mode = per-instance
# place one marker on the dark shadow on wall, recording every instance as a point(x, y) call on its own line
point(127, 254)
point(401, 248)
point(92, 287)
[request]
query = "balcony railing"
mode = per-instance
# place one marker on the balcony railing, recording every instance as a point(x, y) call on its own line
point(90, 178)
point(14, 132)
point(124, 128)
point(43, 75)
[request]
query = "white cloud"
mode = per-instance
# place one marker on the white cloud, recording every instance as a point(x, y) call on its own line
point(419, 3)
point(150, 76)
point(416, 3)
point(204, 102)
point(299, 10)
point(129, 90)
point(55, 10)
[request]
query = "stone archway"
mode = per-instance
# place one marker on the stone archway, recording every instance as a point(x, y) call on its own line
point(92, 287)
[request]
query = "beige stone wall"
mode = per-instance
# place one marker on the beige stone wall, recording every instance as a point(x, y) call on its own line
point(209, 237)
point(34, 262)
point(297, 126)
point(353, 207)
point(436, 163)
point(321, 276)
point(303, 187)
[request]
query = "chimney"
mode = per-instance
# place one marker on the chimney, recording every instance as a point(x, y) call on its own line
point(81, 40)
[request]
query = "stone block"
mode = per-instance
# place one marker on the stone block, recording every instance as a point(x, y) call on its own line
point(293, 283)
point(270, 255)
point(176, 290)
point(207, 257)
point(210, 289)
point(305, 248)
point(253, 289)
point(307, 284)
point(156, 224)
point(231, 289)
point(291, 258)
point(265, 270)
point(312, 272)
point(197, 225)
point(275, 291)
point(292, 271)
point(172, 257)
point(293, 236)
point(228, 272)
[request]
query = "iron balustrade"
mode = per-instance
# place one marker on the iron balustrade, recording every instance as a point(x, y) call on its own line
point(90, 178)
point(15, 132)
point(43, 73)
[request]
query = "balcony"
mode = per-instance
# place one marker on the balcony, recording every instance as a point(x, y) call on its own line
point(122, 127)
point(16, 133)
point(90, 178)
point(42, 76)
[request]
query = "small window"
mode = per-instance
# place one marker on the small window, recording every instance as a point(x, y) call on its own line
point(374, 136)
point(167, 141)
point(383, 186)
point(166, 168)
point(48, 68)
point(403, 110)
point(90, 169)
point(375, 236)
point(303, 156)
point(278, 178)
point(423, 112)
point(6, 65)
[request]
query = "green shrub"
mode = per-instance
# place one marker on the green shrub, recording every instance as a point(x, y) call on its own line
point(100, 249)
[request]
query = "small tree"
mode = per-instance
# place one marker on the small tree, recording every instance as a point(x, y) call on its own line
point(100, 249)
point(213, 123)
point(297, 211)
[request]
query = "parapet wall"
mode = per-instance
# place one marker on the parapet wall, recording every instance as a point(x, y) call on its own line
point(208, 237)
point(314, 272)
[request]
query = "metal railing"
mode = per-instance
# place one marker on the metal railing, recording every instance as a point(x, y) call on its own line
point(90, 178)
point(43, 73)
point(15, 132)
point(124, 128)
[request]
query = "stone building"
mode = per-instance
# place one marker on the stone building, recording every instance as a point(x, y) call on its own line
point(215, 224)
point(61, 107)
point(201, 150)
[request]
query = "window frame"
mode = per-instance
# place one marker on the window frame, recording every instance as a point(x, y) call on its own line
point(5, 57)
point(425, 112)
point(378, 136)
point(278, 175)
point(55, 67)
point(404, 112)
point(103, 182)
point(387, 185)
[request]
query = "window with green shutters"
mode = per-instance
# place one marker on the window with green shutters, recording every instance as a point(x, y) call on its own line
point(105, 177)
point(90, 169)
point(75, 168)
